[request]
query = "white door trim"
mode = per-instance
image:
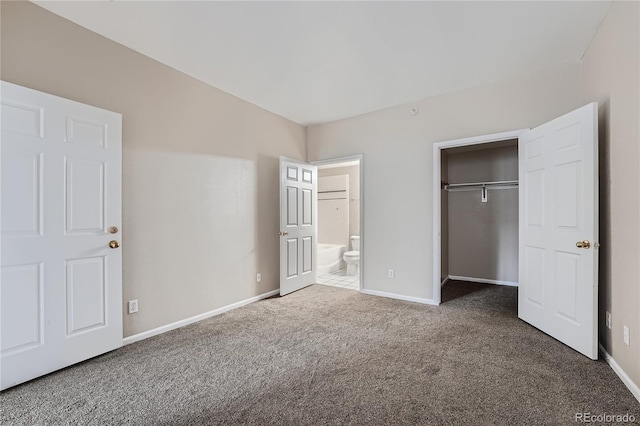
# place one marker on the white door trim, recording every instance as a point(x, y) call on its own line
point(348, 159)
point(437, 220)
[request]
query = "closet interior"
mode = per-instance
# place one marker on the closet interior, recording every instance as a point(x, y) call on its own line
point(480, 213)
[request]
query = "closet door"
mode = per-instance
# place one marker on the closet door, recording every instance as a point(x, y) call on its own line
point(558, 256)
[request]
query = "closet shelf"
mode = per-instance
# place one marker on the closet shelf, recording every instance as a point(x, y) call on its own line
point(484, 187)
point(480, 185)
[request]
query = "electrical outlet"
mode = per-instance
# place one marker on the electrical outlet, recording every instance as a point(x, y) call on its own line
point(133, 306)
point(608, 319)
point(625, 332)
point(392, 273)
point(258, 277)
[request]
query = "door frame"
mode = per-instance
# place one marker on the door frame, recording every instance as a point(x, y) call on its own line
point(348, 159)
point(437, 198)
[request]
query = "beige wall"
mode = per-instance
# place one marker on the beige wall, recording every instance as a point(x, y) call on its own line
point(354, 194)
point(200, 167)
point(611, 76)
point(397, 149)
point(483, 237)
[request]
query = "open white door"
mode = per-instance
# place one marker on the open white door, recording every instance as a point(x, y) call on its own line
point(558, 289)
point(298, 227)
point(61, 280)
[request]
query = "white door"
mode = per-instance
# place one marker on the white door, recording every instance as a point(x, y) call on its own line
point(61, 282)
point(298, 227)
point(558, 288)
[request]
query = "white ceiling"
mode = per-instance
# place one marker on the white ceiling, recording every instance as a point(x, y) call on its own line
point(314, 62)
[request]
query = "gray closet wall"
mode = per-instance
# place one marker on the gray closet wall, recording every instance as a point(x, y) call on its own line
point(483, 237)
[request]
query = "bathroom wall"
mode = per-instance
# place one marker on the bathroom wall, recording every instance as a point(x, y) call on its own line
point(483, 237)
point(354, 193)
point(333, 210)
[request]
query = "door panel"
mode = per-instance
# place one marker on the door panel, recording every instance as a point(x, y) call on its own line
point(307, 207)
point(559, 184)
point(61, 287)
point(22, 188)
point(292, 206)
point(85, 294)
point(22, 119)
point(85, 192)
point(21, 307)
point(86, 132)
point(307, 254)
point(292, 258)
point(298, 228)
point(534, 289)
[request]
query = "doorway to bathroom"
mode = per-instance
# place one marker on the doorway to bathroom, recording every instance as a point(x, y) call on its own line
point(339, 250)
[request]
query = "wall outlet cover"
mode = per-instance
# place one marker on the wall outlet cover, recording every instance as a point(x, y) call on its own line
point(133, 306)
point(392, 273)
point(258, 277)
point(625, 332)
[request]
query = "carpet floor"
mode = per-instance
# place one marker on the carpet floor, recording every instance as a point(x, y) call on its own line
point(330, 356)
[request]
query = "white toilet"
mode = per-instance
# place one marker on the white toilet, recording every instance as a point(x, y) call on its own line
point(352, 258)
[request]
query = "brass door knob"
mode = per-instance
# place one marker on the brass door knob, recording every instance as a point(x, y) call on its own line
point(283, 233)
point(114, 244)
point(583, 244)
point(113, 229)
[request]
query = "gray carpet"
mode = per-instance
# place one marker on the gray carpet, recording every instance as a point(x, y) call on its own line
point(325, 355)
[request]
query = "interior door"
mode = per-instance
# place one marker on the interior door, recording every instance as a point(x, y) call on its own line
point(298, 227)
point(61, 266)
point(558, 288)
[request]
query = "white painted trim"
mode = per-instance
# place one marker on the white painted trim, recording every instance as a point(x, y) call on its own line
point(437, 177)
point(477, 140)
point(446, 280)
point(635, 390)
point(398, 296)
point(437, 223)
point(349, 160)
point(483, 280)
point(187, 321)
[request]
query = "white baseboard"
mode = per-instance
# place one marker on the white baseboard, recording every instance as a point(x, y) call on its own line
point(446, 280)
point(187, 321)
point(635, 390)
point(398, 296)
point(482, 280)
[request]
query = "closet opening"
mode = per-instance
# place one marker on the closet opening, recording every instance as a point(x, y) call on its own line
point(475, 215)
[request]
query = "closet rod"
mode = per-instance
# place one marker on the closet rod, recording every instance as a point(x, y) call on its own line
point(481, 184)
